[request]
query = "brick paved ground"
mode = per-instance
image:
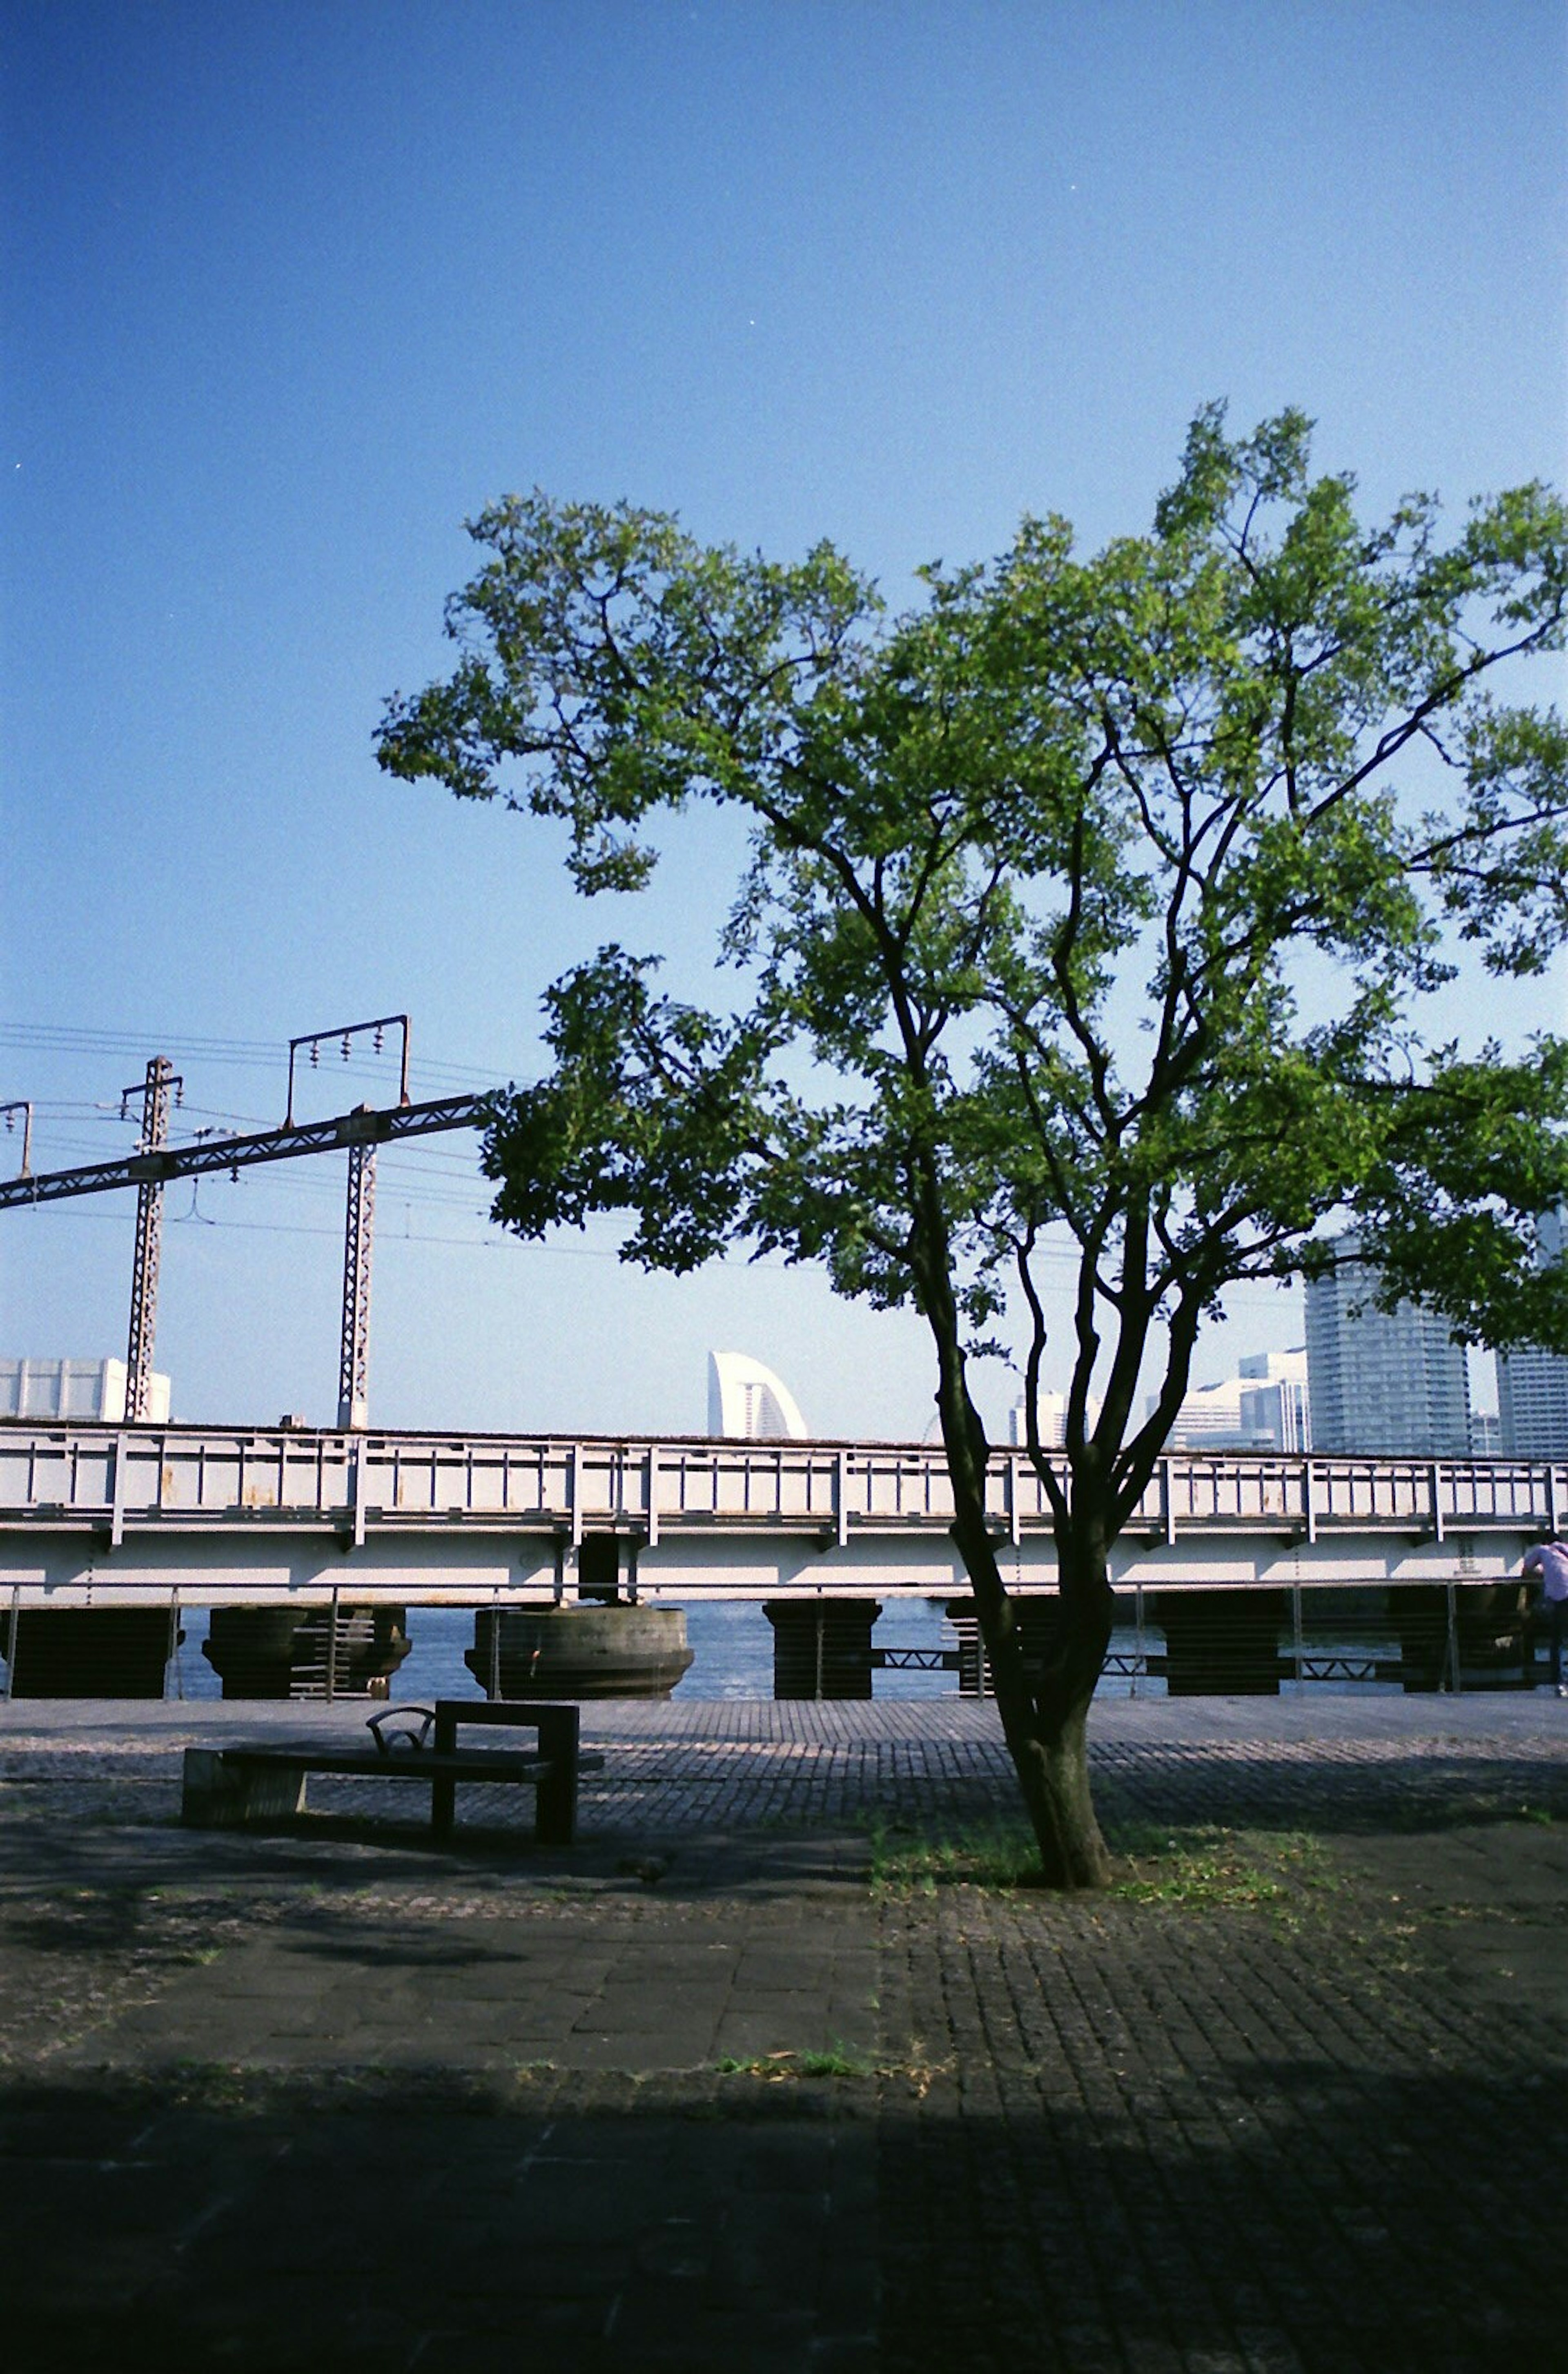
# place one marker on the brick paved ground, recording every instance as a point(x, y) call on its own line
point(698, 2094)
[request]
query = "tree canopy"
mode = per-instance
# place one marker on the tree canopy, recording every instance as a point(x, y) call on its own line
point(1104, 895)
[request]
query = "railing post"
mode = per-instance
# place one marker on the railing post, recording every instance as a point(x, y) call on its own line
point(1296, 1623)
point(357, 1471)
point(332, 1649)
point(1455, 1683)
point(492, 1687)
point(172, 1658)
point(1140, 1656)
point(11, 1631)
point(117, 1505)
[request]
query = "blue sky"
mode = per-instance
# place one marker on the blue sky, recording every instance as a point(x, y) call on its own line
point(290, 290)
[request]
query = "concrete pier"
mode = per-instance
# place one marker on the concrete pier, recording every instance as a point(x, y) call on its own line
point(821, 1647)
point(612, 1650)
point(306, 1651)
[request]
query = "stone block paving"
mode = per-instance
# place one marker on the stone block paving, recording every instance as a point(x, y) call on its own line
point(698, 2094)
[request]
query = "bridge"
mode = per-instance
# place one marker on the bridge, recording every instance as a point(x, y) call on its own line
point(95, 1514)
point(308, 1546)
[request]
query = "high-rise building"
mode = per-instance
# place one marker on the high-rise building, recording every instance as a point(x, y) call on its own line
point(1532, 1385)
point(748, 1403)
point(1486, 1433)
point(1051, 1411)
point(1391, 1382)
point(1263, 1407)
point(1275, 1409)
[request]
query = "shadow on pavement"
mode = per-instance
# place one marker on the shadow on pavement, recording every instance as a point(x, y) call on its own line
point(1282, 2215)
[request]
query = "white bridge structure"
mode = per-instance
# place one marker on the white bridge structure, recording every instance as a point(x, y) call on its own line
point(100, 1516)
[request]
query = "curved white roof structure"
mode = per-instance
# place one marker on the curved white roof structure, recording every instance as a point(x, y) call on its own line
point(747, 1402)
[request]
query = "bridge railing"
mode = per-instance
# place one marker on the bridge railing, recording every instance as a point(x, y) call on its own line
point(108, 1477)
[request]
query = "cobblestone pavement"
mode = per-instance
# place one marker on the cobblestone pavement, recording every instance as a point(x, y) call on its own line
point(744, 2080)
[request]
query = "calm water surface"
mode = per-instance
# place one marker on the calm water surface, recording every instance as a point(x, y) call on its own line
point(733, 1645)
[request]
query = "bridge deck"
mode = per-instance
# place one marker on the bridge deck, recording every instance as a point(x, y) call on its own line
point(108, 1477)
point(256, 1512)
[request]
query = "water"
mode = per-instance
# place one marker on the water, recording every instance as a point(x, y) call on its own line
point(733, 1646)
point(731, 1639)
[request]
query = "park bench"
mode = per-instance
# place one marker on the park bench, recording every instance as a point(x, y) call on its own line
point(227, 1787)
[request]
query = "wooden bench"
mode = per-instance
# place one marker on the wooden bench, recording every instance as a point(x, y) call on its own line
point(227, 1787)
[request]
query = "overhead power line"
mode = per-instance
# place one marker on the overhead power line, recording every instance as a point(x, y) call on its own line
point(157, 1164)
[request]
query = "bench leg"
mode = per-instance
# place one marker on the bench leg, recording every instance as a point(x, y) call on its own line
point(555, 1812)
point(217, 1796)
point(555, 1805)
point(444, 1807)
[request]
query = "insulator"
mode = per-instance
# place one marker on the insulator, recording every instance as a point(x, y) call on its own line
point(346, 1046)
point(10, 1124)
point(234, 1174)
point(315, 1054)
point(380, 1040)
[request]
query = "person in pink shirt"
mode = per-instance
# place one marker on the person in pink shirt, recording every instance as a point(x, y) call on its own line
point(1550, 1561)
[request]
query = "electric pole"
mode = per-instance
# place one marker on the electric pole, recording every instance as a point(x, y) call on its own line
point(156, 1090)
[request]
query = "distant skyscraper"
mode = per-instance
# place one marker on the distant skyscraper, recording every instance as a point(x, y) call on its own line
point(1275, 1408)
point(1391, 1382)
point(1263, 1407)
point(1532, 1386)
point(747, 1402)
point(1052, 1411)
point(1486, 1437)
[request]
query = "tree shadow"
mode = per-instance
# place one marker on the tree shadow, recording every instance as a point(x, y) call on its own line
point(1279, 2211)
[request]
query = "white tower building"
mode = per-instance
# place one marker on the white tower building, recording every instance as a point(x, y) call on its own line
point(747, 1402)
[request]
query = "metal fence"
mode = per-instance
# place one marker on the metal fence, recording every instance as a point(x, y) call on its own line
point(1181, 1640)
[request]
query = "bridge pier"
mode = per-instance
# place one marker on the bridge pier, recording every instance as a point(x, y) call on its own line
point(1036, 1613)
point(89, 1653)
point(821, 1647)
point(1222, 1643)
point(612, 1650)
point(1451, 1632)
point(320, 1648)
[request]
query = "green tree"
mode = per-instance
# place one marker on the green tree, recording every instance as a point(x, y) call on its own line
point(1107, 894)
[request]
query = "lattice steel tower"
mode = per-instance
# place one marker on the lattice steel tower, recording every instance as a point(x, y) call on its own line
point(157, 1089)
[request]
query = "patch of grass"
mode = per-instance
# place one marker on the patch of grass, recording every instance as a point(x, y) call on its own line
point(1195, 1865)
point(999, 1853)
point(217, 2085)
point(777, 2068)
point(1207, 1866)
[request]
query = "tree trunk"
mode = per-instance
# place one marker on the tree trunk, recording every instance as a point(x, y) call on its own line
point(1045, 1724)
